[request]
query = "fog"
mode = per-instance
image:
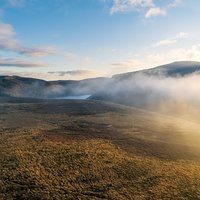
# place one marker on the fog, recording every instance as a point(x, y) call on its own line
point(171, 95)
point(156, 89)
point(178, 95)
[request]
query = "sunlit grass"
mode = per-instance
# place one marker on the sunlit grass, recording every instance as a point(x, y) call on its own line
point(94, 156)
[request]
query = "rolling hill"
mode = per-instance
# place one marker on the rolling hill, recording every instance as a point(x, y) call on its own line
point(15, 86)
point(28, 87)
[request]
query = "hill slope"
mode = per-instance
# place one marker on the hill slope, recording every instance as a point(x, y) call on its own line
point(14, 86)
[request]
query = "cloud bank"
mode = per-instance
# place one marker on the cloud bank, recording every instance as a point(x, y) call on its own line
point(74, 73)
point(20, 63)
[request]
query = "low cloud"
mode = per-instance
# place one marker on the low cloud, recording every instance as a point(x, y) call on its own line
point(164, 94)
point(73, 73)
point(36, 52)
point(52, 75)
point(20, 63)
point(128, 64)
point(152, 12)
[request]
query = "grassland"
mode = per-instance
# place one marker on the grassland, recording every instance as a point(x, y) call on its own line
point(94, 150)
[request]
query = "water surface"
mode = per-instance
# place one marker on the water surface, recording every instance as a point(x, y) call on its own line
point(75, 97)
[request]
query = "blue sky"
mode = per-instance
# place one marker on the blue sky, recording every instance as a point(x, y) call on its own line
point(76, 39)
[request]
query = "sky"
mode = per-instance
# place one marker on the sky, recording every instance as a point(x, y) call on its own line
point(78, 39)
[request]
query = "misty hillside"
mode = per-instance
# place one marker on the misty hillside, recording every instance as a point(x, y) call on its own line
point(165, 87)
point(15, 86)
point(124, 85)
point(176, 69)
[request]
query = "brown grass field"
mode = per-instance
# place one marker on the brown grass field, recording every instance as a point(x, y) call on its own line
point(84, 149)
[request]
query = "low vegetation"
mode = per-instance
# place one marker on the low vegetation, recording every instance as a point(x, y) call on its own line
point(95, 150)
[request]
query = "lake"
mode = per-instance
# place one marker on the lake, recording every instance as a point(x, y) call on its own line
point(75, 97)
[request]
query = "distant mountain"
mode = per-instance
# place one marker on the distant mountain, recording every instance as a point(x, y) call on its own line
point(175, 69)
point(99, 88)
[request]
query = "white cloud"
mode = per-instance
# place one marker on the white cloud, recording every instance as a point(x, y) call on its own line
point(152, 12)
point(78, 72)
point(60, 75)
point(150, 7)
point(6, 30)
point(165, 42)
point(183, 35)
point(179, 36)
point(156, 59)
point(20, 63)
point(8, 42)
point(36, 51)
point(128, 64)
point(176, 3)
point(129, 5)
point(190, 54)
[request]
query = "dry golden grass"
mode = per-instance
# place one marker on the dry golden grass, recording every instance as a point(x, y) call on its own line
point(92, 150)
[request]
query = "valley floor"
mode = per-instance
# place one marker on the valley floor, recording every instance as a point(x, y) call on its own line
point(83, 149)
